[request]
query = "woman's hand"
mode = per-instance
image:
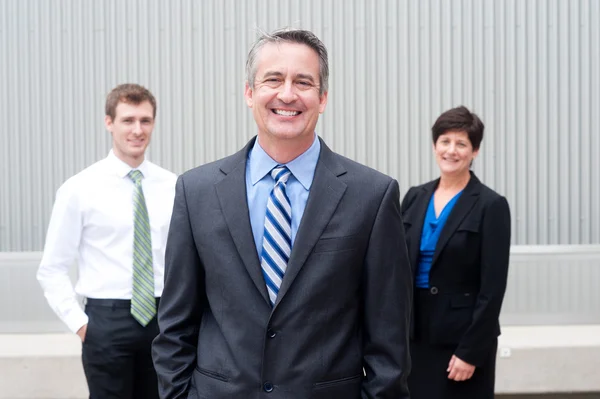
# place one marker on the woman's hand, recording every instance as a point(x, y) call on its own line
point(459, 370)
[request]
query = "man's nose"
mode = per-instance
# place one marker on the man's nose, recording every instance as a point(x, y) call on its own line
point(287, 94)
point(137, 127)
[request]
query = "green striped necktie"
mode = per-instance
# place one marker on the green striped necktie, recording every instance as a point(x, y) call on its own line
point(143, 304)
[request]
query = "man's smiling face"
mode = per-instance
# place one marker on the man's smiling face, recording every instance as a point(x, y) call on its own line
point(285, 100)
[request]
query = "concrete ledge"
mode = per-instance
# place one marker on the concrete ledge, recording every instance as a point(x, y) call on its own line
point(41, 366)
point(544, 359)
point(540, 359)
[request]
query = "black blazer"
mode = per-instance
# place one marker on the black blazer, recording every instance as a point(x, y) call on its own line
point(343, 306)
point(469, 267)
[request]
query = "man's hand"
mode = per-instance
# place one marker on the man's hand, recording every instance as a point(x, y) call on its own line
point(81, 332)
point(459, 370)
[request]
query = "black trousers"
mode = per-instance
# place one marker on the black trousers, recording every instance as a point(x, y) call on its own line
point(116, 353)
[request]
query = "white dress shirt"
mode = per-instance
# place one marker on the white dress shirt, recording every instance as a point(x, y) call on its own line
point(92, 223)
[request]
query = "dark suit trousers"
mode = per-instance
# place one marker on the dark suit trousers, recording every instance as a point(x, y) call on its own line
point(116, 353)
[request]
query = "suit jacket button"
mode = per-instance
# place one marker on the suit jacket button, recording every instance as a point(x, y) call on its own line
point(434, 290)
point(268, 387)
point(271, 334)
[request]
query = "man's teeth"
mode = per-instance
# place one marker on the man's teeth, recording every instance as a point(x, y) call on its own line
point(286, 113)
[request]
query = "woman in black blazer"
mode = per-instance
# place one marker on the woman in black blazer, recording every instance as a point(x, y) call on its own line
point(458, 238)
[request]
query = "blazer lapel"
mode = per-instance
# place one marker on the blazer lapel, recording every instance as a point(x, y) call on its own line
point(461, 209)
point(416, 220)
point(325, 193)
point(231, 192)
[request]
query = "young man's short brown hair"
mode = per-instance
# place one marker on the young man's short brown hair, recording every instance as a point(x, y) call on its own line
point(129, 93)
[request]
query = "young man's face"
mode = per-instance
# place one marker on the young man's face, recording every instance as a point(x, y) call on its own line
point(131, 131)
point(285, 100)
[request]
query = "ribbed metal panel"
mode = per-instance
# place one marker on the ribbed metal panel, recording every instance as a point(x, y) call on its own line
point(23, 307)
point(547, 285)
point(529, 68)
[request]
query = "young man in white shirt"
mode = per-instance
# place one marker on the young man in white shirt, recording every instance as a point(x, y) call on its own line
point(113, 218)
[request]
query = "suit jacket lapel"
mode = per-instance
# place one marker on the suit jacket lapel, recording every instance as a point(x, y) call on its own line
point(326, 192)
point(231, 192)
point(417, 218)
point(462, 207)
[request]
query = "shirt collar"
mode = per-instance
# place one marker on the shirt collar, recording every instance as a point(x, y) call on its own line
point(302, 168)
point(121, 169)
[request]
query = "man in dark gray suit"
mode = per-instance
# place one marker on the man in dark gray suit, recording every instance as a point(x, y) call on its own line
point(287, 274)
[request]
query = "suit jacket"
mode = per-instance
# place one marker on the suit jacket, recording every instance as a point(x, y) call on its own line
point(343, 305)
point(469, 268)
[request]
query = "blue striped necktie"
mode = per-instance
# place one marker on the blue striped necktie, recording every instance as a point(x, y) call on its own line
point(143, 304)
point(277, 239)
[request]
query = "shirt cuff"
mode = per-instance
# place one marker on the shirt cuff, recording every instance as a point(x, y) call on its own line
point(76, 319)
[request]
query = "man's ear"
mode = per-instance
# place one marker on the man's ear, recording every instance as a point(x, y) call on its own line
point(108, 123)
point(323, 102)
point(248, 95)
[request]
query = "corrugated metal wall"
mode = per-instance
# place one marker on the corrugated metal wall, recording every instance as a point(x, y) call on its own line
point(551, 285)
point(547, 285)
point(531, 69)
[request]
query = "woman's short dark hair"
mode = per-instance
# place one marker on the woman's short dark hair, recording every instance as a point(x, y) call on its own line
point(459, 119)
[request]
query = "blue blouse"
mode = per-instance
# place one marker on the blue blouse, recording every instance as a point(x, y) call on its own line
point(432, 227)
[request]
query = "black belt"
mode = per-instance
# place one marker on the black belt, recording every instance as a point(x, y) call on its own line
point(112, 303)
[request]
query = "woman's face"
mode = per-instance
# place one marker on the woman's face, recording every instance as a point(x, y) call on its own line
point(453, 153)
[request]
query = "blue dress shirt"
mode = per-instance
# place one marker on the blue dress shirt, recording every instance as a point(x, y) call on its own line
point(432, 227)
point(259, 184)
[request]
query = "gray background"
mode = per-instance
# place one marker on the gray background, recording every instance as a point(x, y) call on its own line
point(528, 68)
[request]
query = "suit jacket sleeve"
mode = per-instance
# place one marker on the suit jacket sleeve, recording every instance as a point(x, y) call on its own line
point(387, 296)
point(495, 248)
point(180, 311)
point(408, 199)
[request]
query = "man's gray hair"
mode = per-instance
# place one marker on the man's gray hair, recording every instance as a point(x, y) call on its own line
point(291, 36)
